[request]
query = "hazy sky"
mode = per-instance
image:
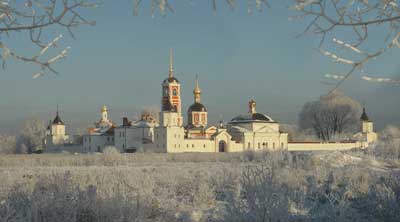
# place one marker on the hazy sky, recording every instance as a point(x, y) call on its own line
point(122, 61)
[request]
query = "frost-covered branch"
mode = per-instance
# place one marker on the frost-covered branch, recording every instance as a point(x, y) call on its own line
point(355, 64)
point(33, 18)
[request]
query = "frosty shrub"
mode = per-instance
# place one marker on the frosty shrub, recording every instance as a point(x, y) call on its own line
point(388, 145)
point(7, 144)
point(29, 139)
point(261, 195)
point(57, 198)
point(110, 156)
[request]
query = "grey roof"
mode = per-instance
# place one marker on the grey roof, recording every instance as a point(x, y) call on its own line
point(364, 116)
point(58, 120)
point(252, 117)
point(171, 79)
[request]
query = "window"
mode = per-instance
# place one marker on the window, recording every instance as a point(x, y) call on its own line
point(248, 146)
point(175, 145)
point(204, 145)
point(187, 145)
point(193, 145)
point(259, 146)
point(174, 92)
point(266, 145)
point(165, 92)
point(282, 145)
point(273, 145)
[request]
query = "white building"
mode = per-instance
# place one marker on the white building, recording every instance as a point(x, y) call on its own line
point(138, 136)
point(100, 136)
point(257, 131)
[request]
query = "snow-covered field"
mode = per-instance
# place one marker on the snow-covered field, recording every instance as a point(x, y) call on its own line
point(199, 187)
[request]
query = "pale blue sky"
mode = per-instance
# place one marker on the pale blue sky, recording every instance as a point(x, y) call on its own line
point(122, 60)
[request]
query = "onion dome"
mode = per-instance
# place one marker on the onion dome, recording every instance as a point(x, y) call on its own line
point(197, 107)
point(364, 116)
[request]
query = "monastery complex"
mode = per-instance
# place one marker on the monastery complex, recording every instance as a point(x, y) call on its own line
point(169, 134)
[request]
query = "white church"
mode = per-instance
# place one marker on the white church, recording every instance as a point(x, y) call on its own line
point(248, 131)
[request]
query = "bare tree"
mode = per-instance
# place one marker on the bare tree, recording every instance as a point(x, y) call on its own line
point(31, 137)
point(33, 18)
point(330, 116)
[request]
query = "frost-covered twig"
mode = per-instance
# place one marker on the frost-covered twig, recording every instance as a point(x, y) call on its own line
point(333, 76)
point(381, 80)
point(165, 5)
point(45, 65)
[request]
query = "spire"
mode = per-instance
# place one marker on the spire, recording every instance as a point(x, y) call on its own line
point(197, 91)
point(364, 116)
point(58, 120)
point(171, 65)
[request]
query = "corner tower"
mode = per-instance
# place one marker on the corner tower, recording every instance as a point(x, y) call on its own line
point(367, 125)
point(367, 129)
point(57, 135)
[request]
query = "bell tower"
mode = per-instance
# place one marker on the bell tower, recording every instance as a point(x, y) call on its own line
point(171, 94)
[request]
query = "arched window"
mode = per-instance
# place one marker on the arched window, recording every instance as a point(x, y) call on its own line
point(174, 92)
point(248, 145)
